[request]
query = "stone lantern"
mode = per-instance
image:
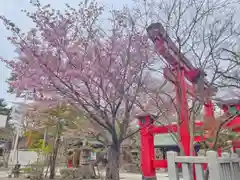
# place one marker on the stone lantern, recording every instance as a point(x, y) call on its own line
point(86, 169)
point(133, 165)
point(85, 155)
point(135, 153)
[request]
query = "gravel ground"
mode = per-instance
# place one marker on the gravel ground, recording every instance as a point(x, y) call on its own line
point(124, 176)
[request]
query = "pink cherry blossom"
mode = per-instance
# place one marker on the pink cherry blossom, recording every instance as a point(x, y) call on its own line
point(98, 69)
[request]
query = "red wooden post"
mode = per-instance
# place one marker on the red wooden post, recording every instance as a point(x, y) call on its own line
point(209, 108)
point(70, 164)
point(182, 93)
point(234, 149)
point(219, 152)
point(147, 148)
point(183, 110)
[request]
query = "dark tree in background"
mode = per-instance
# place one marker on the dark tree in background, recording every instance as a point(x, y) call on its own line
point(4, 110)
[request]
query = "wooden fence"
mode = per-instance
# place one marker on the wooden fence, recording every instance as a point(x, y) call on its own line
point(226, 167)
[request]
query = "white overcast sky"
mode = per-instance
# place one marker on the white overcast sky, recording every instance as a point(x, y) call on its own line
point(12, 10)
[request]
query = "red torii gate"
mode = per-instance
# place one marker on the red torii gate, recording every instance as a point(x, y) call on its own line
point(178, 71)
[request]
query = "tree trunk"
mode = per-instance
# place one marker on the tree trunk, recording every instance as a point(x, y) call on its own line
point(53, 157)
point(46, 173)
point(112, 171)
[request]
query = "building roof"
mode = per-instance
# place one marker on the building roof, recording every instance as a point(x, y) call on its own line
point(227, 102)
point(164, 140)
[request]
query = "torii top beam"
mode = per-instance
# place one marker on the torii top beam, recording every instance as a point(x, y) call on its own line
point(169, 51)
point(166, 47)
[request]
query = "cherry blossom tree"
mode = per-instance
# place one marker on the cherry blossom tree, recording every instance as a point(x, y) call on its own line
point(97, 65)
point(101, 66)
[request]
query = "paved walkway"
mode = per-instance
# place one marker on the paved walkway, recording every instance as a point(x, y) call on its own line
point(3, 174)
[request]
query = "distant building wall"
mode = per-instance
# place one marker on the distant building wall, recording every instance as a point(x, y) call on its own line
point(3, 120)
point(25, 157)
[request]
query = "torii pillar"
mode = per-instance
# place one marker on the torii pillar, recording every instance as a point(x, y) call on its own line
point(147, 146)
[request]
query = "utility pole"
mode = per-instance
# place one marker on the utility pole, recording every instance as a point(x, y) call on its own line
point(20, 121)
